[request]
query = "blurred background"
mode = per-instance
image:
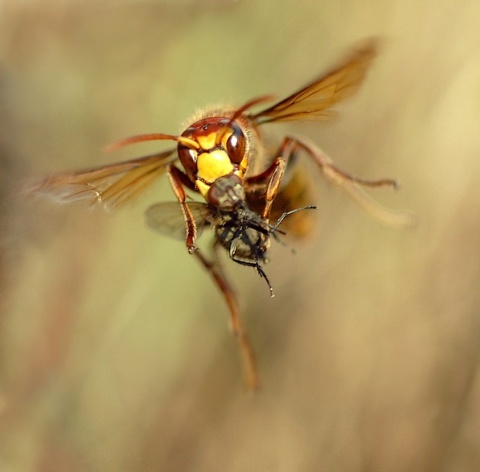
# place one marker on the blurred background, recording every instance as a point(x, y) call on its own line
point(114, 343)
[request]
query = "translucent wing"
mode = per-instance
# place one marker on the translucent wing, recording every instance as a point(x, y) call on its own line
point(167, 218)
point(314, 101)
point(111, 185)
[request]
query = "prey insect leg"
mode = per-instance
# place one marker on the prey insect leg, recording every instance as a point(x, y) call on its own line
point(246, 350)
point(256, 251)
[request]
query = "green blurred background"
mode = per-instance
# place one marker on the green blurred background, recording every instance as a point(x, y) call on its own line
point(115, 350)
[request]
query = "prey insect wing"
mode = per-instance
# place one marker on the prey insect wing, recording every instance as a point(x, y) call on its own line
point(167, 218)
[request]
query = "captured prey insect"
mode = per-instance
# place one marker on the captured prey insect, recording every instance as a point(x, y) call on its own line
point(244, 185)
point(241, 231)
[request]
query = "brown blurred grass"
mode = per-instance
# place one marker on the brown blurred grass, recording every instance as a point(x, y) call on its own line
point(115, 352)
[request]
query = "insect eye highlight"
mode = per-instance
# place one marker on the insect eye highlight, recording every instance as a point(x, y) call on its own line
point(236, 145)
point(188, 158)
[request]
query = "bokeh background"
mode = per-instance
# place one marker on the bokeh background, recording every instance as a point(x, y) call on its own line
point(115, 350)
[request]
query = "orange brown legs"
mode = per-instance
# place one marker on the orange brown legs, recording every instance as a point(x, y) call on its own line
point(350, 183)
point(246, 350)
point(177, 180)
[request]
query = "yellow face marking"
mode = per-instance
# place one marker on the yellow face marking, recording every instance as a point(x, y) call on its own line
point(207, 142)
point(225, 137)
point(243, 166)
point(213, 165)
point(203, 188)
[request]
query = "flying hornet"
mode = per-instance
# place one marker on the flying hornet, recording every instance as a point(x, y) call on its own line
point(246, 190)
